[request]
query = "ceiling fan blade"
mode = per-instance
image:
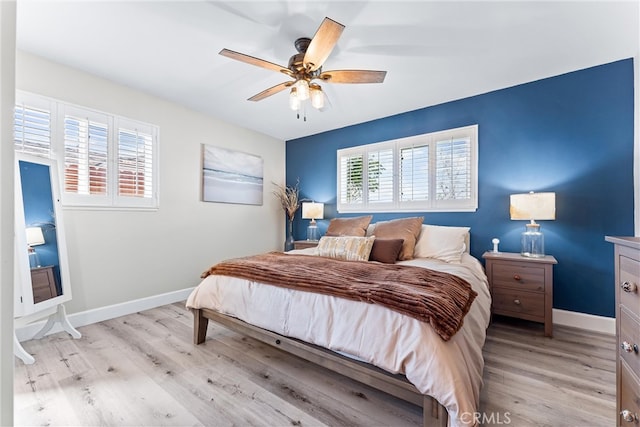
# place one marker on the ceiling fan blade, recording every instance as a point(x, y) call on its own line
point(353, 76)
point(271, 91)
point(254, 61)
point(322, 43)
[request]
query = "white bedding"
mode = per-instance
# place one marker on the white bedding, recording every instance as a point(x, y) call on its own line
point(451, 371)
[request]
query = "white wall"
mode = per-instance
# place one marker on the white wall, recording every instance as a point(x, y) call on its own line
point(7, 101)
point(117, 256)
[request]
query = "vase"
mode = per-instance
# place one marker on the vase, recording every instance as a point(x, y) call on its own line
point(288, 243)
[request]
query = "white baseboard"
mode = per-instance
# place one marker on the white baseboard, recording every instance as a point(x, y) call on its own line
point(589, 322)
point(105, 313)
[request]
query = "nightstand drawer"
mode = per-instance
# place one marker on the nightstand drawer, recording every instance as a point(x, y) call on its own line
point(630, 279)
point(512, 275)
point(304, 244)
point(527, 305)
point(629, 395)
point(43, 284)
point(630, 335)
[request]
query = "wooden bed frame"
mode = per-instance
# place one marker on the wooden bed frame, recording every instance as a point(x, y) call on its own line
point(434, 414)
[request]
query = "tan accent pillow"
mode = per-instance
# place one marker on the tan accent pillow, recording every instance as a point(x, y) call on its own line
point(348, 248)
point(356, 226)
point(407, 229)
point(441, 242)
point(386, 250)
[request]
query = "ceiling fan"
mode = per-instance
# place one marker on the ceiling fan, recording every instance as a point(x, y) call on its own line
point(306, 66)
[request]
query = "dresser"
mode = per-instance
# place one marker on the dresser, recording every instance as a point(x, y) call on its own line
point(43, 282)
point(627, 289)
point(521, 287)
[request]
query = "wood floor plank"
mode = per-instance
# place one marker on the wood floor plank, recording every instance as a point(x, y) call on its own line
point(143, 369)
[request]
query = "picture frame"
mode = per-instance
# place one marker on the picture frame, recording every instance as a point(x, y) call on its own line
point(230, 176)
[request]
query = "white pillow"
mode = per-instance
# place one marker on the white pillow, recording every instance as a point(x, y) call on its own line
point(441, 242)
point(348, 248)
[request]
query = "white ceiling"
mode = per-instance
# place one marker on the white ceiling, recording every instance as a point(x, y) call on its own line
point(433, 52)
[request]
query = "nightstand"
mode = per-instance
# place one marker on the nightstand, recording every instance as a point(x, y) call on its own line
point(303, 244)
point(43, 283)
point(521, 287)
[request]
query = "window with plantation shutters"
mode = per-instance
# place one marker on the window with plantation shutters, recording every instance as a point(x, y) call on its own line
point(350, 180)
point(135, 161)
point(430, 172)
point(380, 177)
point(107, 161)
point(32, 128)
point(453, 169)
point(86, 143)
point(414, 173)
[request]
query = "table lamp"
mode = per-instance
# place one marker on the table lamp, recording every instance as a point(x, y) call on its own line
point(34, 238)
point(312, 211)
point(533, 206)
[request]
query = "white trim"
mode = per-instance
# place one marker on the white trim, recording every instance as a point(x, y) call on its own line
point(105, 313)
point(588, 322)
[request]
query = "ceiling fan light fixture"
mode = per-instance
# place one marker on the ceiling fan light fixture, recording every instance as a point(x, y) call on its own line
point(317, 97)
point(305, 67)
point(294, 100)
point(302, 87)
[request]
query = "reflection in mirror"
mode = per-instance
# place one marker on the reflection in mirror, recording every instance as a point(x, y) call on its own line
point(40, 222)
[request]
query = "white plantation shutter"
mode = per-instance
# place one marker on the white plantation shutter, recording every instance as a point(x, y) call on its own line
point(86, 155)
point(32, 130)
point(453, 180)
point(380, 176)
point(351, 179)
point(135, 162)
point(414, 173)
point(429, 172)
point(107, 161)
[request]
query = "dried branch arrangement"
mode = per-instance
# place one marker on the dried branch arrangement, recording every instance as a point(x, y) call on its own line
point(289, 198)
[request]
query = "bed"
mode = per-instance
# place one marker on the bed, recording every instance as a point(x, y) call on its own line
point(411, 360)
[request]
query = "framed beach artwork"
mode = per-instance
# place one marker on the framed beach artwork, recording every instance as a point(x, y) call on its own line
point(230, 176)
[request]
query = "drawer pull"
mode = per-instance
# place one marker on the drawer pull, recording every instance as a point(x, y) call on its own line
point(517, 277)
point(628, 416)
point(516, 301)
point(629, 347)
point(628, 287)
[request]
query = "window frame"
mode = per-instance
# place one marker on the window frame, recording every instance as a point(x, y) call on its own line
point(112, 200)
point(432, 204)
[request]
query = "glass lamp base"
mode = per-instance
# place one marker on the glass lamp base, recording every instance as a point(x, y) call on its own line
point(312, 233)
point(34, 260)
point(532, 242)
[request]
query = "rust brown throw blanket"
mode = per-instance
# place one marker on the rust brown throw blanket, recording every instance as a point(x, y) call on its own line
point(439, 298)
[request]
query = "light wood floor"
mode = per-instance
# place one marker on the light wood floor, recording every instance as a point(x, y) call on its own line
point(143, 370)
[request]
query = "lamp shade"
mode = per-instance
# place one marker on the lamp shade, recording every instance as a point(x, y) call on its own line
point(533, 206)
point(312, 210)
point(35, 236)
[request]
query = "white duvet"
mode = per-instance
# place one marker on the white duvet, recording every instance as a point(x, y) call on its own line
point(451, 371)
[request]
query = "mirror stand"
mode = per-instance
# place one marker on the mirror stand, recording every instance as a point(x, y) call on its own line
point(57, 314)
point(41, 270)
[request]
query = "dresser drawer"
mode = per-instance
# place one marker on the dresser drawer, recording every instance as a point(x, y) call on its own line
point(629, 395)
point(516, 275)
point(630, 334)
point(526, 305)
point(629, 275)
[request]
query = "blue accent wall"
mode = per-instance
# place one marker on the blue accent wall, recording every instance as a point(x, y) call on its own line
point(571, 134)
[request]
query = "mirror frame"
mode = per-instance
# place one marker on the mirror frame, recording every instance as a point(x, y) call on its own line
point(24, 304)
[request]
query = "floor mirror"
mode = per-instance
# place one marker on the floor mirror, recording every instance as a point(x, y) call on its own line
point(42, 282)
